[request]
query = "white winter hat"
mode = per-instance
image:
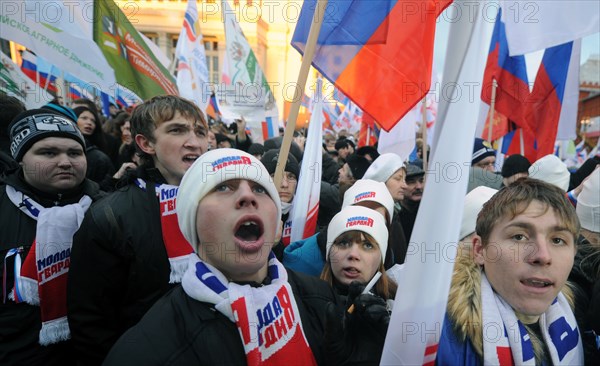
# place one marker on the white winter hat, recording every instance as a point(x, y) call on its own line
point(551, 170)
point(369, 190)
point(361, 219)
point(588, 203)
point(474, 201)
point(208, 171)
point(384, 167)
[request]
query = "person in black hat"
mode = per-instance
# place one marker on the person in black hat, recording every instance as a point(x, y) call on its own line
point(353, 169)
point(515, 167)
point(41, 206)
point(256, 149)
point(484, 156)
point(369, 152)
point(413, 193)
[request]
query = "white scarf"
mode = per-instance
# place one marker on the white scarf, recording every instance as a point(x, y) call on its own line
point(267, 317)
point(42, 279)
point(506, 341)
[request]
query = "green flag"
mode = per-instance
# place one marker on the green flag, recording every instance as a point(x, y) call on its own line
point(135, 65)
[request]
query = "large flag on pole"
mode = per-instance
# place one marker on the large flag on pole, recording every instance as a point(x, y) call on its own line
point(78, 55)
point(545, 102)
point(305, 208)
point(537, 25)
point(135, 65)
point(192, 72)
point(379, 53)
point(246, 91)
point(510, 74)
point(417, 316)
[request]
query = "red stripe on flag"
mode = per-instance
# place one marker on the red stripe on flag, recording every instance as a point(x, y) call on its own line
point(398, 70)
point(265, 130)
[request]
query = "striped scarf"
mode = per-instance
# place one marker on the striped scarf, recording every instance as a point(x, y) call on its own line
point(42, 278)
point(267, 317)
point(507, 342)
point(178, 249)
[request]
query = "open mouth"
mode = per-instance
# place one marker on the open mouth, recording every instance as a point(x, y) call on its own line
point(190, 158)
point(249, 230)
point(532, 282)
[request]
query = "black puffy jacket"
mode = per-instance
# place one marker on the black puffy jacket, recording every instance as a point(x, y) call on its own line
point(179, 330)
point(119, 268)
point(20, 324)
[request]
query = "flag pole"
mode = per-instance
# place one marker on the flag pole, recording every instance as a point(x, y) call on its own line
point(424, 132)
point(492, 110)
point(309, 52)
point(521, 143)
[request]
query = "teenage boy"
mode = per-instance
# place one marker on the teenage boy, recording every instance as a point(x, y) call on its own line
point(129, 250)
point(237, 304)
point(508, 302)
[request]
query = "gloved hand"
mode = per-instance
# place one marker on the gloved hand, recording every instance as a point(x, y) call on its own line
point(356, 337)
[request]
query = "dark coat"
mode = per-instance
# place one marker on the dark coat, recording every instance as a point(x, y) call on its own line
point(119, 268)
point(179, 330)
point(20, 324)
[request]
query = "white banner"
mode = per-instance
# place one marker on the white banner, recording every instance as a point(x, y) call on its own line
point(536, 25)
point(246, 91)
point(79, 56)
point(192, 71)
point(15, 83)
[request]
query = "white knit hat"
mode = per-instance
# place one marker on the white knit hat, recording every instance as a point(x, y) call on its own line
point(551, 169)
point(369, 190)
point(361, 219)
point(588, 203)
point(384, 167)
point(474, 201)
point(208, 171)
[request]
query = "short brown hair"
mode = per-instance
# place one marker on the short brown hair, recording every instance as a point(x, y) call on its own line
point(148, 115)
point(514, 200)
point(156, 110)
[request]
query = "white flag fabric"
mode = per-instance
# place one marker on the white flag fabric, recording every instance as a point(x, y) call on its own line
point(69, 49)
point(15, 83)
point(192, 72)
point(246, 91)
point(305, 208)
point(417, 316)
point(567, 124)
point(401, 138)
point(536, 25)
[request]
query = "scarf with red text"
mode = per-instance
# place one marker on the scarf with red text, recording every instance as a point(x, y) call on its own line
point(178, 249)
point(42, 278)
point(267, 317)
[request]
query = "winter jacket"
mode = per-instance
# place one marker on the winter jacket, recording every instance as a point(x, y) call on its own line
point(99, 165)
point(461, 340)
point(20, 323)
point(119, 268)
point(182, 331)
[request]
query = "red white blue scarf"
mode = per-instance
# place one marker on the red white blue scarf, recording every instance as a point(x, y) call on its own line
point(42, 279)
point(178, 249)
point(267, 317)
point(506, 342)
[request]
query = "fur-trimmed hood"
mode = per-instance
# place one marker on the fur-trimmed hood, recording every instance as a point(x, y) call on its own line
point(464, 299)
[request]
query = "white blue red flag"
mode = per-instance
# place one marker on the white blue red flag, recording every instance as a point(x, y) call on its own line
point(192, 72)
point(305, 208)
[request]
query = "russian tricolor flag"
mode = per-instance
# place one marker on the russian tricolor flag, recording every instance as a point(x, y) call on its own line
point(379, 53)
point(510, 74)
point(545, 102)
point(269, 128)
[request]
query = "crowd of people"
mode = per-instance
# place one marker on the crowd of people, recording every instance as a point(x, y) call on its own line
point(154, 236)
